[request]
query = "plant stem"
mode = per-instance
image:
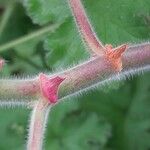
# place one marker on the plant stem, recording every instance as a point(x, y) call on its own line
point(28, 37)
point(81, 77)
point(98, 70)
point(37, 125)
point(84, 26)
point(19, 90)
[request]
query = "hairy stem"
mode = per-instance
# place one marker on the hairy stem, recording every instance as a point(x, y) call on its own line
point(19, 90)
point(37, 125)
point(80, 77)
point(83, 24)
point(100, 69)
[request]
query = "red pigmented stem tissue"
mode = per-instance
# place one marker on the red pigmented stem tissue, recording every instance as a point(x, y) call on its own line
point(37, 125)
point(2, 62)
point(115, 56)
point(49, 87)
point(49, 92)
point(85, 27)
point(94, 44)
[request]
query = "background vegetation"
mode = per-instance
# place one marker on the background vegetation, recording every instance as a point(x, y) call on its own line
point(116, 117)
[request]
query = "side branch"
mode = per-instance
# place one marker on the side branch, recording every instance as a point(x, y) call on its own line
point(85, 28)
point(37, 125)
point(90, 38)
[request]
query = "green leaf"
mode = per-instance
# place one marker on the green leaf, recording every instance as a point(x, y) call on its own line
point(45, 11)
point(127, 110)
point(137, 123)
point(72, 128)
point(13, 128)
point(65, 49)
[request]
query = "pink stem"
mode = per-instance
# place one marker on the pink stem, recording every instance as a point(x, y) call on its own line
point(82, 77)
point(78, 78)
point(85, 28)
point(99, 69)
point(2, 62)
point(37, 125)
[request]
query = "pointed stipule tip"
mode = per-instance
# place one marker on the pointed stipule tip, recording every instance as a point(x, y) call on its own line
point(108, 46)
point(114, 55)
point(120, 50)
point(49, 87)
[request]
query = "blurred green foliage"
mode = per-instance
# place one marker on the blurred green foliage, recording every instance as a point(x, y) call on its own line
point(114, 119)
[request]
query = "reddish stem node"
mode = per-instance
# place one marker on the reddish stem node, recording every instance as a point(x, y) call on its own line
point(49, 87)
point(2, 62)
point(114, 55)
